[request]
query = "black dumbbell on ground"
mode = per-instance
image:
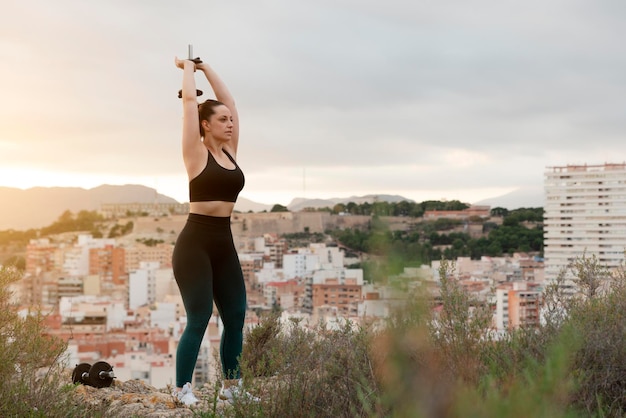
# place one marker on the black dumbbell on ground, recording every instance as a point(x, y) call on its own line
point(99, 375)
point(196, 60)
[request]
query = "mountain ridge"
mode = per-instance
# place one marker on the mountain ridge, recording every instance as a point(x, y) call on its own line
point(522, 197)
point(37, 207)
point(300, 203)
point(40, 206)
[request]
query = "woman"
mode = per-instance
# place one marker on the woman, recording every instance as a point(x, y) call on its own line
point(205, 262)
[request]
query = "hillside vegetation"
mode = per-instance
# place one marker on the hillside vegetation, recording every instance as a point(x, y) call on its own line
point(423, 362)
point(420, 243)
point(520, 230)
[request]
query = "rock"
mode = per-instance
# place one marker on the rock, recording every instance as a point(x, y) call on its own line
point(134, 398)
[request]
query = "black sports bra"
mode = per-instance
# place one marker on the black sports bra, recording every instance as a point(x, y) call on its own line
point(216, 182)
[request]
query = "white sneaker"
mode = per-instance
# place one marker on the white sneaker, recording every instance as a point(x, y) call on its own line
point(232, 393)
point(185, 395)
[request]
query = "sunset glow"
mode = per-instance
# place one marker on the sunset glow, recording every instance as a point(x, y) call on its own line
point(428, 102)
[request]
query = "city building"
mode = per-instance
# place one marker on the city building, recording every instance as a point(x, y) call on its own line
point(307, 260)
point(135, 254)
point(76, 258)
point(284, 294)
point(584, 213)
point(275, 247)
point(524, 306)
point(335, 288)
point(141, 287)
point(109, 262)
point(40, 256)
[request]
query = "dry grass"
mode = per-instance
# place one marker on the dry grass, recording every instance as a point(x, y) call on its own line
point(31, 369)
point(420, 365)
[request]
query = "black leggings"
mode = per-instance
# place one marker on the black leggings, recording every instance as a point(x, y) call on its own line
point(206, 267)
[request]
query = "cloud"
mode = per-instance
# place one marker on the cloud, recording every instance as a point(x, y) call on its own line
point(361, 95)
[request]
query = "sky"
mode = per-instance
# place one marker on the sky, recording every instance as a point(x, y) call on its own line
point(446, 99)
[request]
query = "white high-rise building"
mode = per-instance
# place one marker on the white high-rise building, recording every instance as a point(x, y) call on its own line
point(584, 212)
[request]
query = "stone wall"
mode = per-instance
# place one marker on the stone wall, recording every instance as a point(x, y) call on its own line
point(257, 224)
point(247, 225)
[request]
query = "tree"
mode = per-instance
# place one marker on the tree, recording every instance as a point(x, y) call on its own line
point(339, 208)
point(381, 208)
point(352, 208)
point(498, 211)
point(279, 208)
point(67, 222)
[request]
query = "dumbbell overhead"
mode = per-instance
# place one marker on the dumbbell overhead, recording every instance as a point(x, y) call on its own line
point(99, 375)
point(197, 60)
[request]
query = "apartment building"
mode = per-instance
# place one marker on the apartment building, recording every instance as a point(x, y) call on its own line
point(314, 257)
point(76, 258)
point(41, 257)
point(585, 212)
point(135, 254)
point(284, 294)
point(300, 264)
point(338, 288)
point(517, 304)
point(251, 263)
point(109, 262)
point(524, 307)
point(275, 248)
point(142, 284)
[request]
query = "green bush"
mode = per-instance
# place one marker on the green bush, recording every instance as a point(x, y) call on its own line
point(599, 316)
point(309, 373)
point(447, 362)
point(431, 357)
point(30, 365)
point(587, 329)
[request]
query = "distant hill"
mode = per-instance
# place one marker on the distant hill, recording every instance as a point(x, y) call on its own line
point(40, 206)
point(301, 203)
point(245, 205)
point(524, 197)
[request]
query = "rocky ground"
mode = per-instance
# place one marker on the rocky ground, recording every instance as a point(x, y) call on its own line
point(135, 398)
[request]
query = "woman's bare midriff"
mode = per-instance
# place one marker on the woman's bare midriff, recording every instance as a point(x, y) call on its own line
point(214, 208)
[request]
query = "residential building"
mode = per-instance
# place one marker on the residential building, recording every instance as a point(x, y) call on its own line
point(69, 287)
point(40, 256)
point(299, 264)
point(142, 285)
point(378, 302)
point(109, 262)
point(337, 288)
point(275, 248)
point(135, 254)
point(524, 306)
point(314, 257)
point(76, 259)
point(284, 294)
point(585, 212)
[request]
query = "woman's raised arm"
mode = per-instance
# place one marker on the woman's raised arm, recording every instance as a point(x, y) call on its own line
point(223, 95)
point(193, 155)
